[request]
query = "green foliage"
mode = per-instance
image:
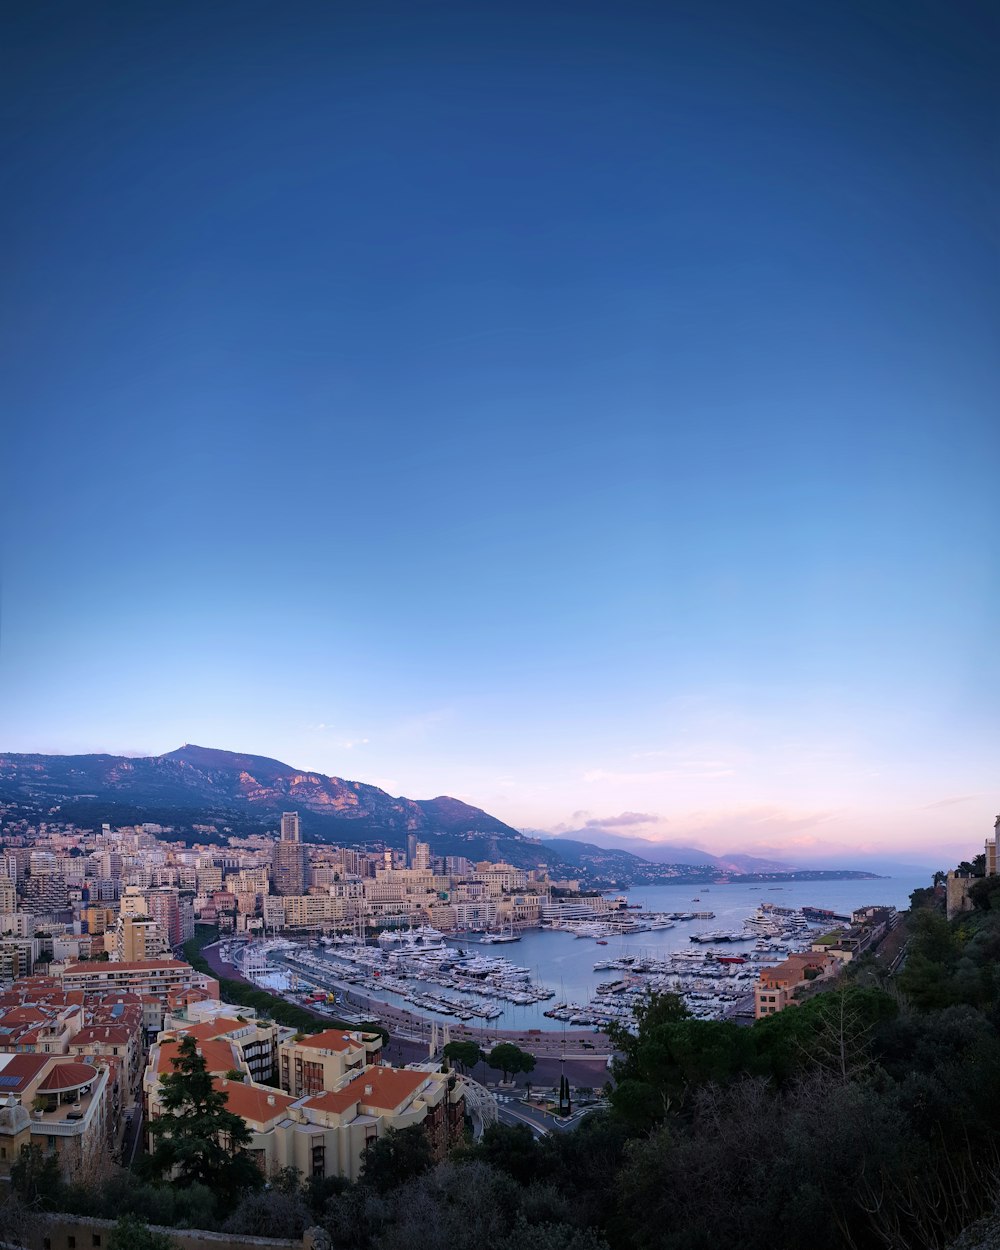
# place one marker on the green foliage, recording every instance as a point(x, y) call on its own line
point(464, 1055)
point(131, 1234)
point(509, 1059)
point(36, 1179)
point(198, 1139)
point(985, 894)
point(395, 1158)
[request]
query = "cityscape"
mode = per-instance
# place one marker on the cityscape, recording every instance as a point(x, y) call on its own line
point(498, 625)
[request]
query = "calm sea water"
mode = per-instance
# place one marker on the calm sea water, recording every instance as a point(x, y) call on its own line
point(566, 963)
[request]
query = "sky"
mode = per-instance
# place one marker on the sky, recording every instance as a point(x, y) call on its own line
point(587, 410)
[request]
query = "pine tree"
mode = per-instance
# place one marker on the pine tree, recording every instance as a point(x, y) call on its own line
point(198, 1139)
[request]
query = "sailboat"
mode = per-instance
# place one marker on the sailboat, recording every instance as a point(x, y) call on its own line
point(504, 934)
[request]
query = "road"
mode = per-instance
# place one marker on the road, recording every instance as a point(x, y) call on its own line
point(133, 1134)
point(511, 1110)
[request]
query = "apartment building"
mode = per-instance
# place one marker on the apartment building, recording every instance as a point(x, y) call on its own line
point(256, 1042)
point(322, 1060)
point(139, 938)
point(326, 1132)
point(777, 987)
point(62, 1106)
point(158, 978)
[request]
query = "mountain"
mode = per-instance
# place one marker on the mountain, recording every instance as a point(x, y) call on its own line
point(663, 852)
point(200, 785)
point(602, 862)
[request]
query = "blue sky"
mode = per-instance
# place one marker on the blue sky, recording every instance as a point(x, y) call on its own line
point(583, 409)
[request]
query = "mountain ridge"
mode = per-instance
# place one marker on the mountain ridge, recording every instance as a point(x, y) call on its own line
point(232, 785)
point(666, 852)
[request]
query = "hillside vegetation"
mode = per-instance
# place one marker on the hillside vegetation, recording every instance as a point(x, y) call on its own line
point(866, 1119)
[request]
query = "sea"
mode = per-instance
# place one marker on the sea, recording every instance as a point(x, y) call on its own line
point(565, 963)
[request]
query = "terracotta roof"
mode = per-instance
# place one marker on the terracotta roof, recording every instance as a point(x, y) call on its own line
point(219, 1056)
point(214, 1028)
point(337, 1101)
point(390, 1087)
point(97, 1033)
point(252, 1102)
point(20, 1070)
point(25, 1015)
point(331, 1039)
point(66, 1076)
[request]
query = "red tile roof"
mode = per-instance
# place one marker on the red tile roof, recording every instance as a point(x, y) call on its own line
point(331, 1039)
point(67, 1076)
point(214, 1028)
point(390, 1088)
point(253, 1102)
point(97, 1034)
point(219, 1056)
point(21, 1070)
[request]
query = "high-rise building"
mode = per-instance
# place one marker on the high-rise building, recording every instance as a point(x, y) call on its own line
point(8, 896)
point(164, 907)
point(289, 859)
point(139, 938)
point(411, 850)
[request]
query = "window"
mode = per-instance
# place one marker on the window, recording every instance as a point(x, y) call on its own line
point(96, 1239)
point(70, 1242)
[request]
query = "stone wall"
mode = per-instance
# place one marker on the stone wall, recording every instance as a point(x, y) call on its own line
point(74, 1232)
point(959, 885)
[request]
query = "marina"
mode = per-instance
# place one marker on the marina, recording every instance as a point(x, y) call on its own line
point(574, 973)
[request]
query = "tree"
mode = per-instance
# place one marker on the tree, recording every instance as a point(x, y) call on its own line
point(464, 1055)
point(36, 1179)
point(271, 1213)
point(399, 1156)
point(509, 1059)
point(198, 1139)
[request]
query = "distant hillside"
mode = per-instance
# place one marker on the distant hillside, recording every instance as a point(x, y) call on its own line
point(649, 852)
point(201, 785)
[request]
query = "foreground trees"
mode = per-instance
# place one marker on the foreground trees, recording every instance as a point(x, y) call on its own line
point(198, 1140)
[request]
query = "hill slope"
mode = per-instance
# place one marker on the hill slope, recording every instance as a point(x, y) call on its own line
point(197, 784)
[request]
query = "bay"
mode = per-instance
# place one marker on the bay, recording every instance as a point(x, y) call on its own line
point(565, 963)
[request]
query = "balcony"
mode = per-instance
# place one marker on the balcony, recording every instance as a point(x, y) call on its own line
point(66, 1098)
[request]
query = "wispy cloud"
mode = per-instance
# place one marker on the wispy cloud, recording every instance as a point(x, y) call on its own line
point(624, 821)
point(961, 798)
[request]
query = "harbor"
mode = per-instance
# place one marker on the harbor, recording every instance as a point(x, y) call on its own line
point(574, 974)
